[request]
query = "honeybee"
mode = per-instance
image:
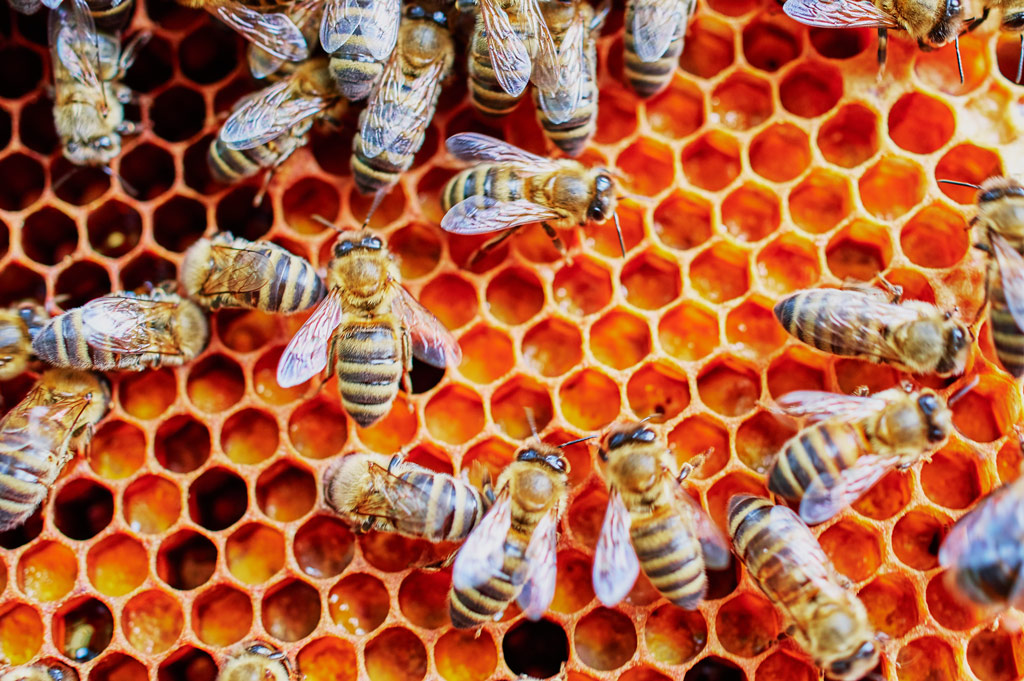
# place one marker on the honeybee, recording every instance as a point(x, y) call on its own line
point(258, 662)
point(360, 36)
point(787, 563)
point(125, 331)
point(228, 271)
point(853, 441)
point(17, 327)
point(393, 125)
point(1011, 20)
point(372, 328)
point(306, 15)
point(510, 187)
point(389, 494)
point(651, 522)
point(43, 671)
point(866, 323)
point(655, 30)
point(512, 552)
point(109, 15)
point(510, 44)
point(262, 22)
point(24, 7)
point(38, 434)
point(568, 111)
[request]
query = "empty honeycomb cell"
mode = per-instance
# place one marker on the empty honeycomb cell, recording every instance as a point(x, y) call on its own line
point(586, 513)
point(850, 137)
point(916, 538)
point(236, 213)
point(19, 283)
point(245, 330)
point(936, 70)
point(751, 213)
point(221, 615)
point(787, 264)
point(728, 487)
point(250, 436)
point(769, 45)
point(215, 383)
point(759, 440)
point(465, 656)
point(24, 71)
point(48, 236)
point(859, 251)
point(780, 153)
point(853, 549)
point(928, 658)
point(647, 166)
point(182, 444)
point(186, 560)
point(80, 282)
point(988, 411)
point(417, 248)
point(117, 450)
point(177, 113)
point(935, 237)
point(308, 199)
point(520, 405)
point(573, 590)
point(390, 208)
point(966, 163)
point(582, 287)
point(754, 325)
point(604, 639)
point(742, 101)
point(488, 354)
point(675, 113)
point(891, 187)
point(712, 162)
point(675, 636)
point(514, 296)
point(856, 374)
point(147, 395)
point(920, 124)
point(23, 182)
point(154, 64)
point(82, 508)
point(796, 369)
point(396, 429)
point(117, 565)
point(951, 478)
point(992, 654)
point(83, 629)
point(119, 667)
point(729, 387)
point(589, 399)
point(114, 228)
point(25, 533)
point(617, 119)
point(682, 221)
point(1008, 461)
point(291, 610)
point(709, 47)
point(396, 654)
point(714, 668)
point(264, 380)
point(657, 389)
point(949, 609)
point(152, 622)
point(187, 664)
point(285, 492)
point(720, 273)
point(254, 553)
point(551, 348)
point(178, 223)
point(205, 56)
point(454, 301)
point(47, 571)
point(886, 498)
point(37, 132)
point(892, 605)
point(21, 632)
point(781, 666)
point(811, 90)
point(454, 414)
point(700, 435)
point(77, 185)
point(538, 649)
point(620, 340)
point(423, 598)
point(317, 430)
point(328, 659)
point(151, 504)
point(843, 43)
point(145, 269)
point(323, 547)
point(149, 170)
point(430, 457)
point(746, 625)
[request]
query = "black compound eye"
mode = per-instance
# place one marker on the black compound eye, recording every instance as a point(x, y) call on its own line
point(928, 404)
point(372, 242)
point(618, 439)
point(595, 213)
point(602, 183)
point(840, 667)
point(528, 455)
point(344, 247)
point(555, 462)
point(1013, 22)
point(936, 434)
point(644, 435)
point(603, 453)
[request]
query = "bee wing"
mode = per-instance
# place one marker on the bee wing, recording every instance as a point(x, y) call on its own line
point(129, 326)
point(616, 566)
point(655, 23)
point(304, 15)
point(270, 114)
point(510, 57)
point(472, 147)
point(545, 58)
point(74, 41)
point(394, 498)
point(827, 495)
point(559, 103)
point(482, 556)
point(396, 109)
point(819, 405)
point(839, 14)
point(541, 562)
point(1011, 273)
point(275, 32)
point(237, 270)
point(305, 356)
point(483, 214)
point(431, 341)
point(379, 25)
point(713, 543)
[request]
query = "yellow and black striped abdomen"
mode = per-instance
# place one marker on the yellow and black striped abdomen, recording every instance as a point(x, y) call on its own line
point(823, 448)
point(453, 511)
point(670, 555)
point(825, 320)
point(62, 343)
point(472, 607)
point(649, 78)
point(498, 181)
point(26, 473)
point(366, 356)
point(1006, 335)
point(231, 165)
point(353, 67)
point(574, 134)
point(111, 16)
point(485, 92)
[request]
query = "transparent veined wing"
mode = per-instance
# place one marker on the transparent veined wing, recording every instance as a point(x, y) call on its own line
point(376, 20)
point(839, 14)
point(471, 147)
point(129, 325)
point(819, 405)
point(544, 71)
point(827, 495)
point(275, 32)
point(510, 57)
point(713, 543)
point(483, 214)
point(560, 102)
point(482, 555)
point(616, 565)
point(541, 563)
point(1011, 274)
point(655, 24)
point(236, 270)
point(431, 341)
point(305, 356)
point(74, 41)
point(272, 112)
point(397, 109)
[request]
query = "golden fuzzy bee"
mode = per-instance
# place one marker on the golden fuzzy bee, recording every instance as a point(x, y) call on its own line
point(912, 335)
point(510, 187)
point(651, 522)
point(228, 271)
point(259, 661)
point(853, 442)
point(366, 331)
point(389, 494)
point(653, 41)
point(511, 555)
point(359, 35)
point(18, 325)
point(38, 435)
point(42, 671)
point(265, 23)
point(393, 125)
point(787, 563)
point(125, 331)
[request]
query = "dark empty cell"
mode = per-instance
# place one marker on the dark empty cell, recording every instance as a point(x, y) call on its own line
point(178, 113)
point(114, 229)
point(146, 269)
point(187, 664)
point(231, 93)
point(811, 91)
point(21, 181)
point(842, 43)
point(36, 127)
point(49, 236)
point(80, 283)
point(209, 54)
point(236, 214)
point(424, 376)
point(186, 560)
point(178, 223)
point(82, 508)
point(24, 533)
point(217, 499)
point(5, 239)
point(5, 128)
point(149, 170)
point(78, 185)
point(291, 611)
point(197, 167)
point(715, 669)
point(153, 64)
point(182, 444)
point(768, 46)
point(721, 583)
point(21, 73)
point(333, 148)
point(537, 649)
point(19, 283)
point(84, 630)
point(33, 27)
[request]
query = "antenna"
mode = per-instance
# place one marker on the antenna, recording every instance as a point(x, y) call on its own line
point(618, 230)
point(377, 198)
point(326, 223)
point(574, 442)
point(962, 184)
point(959, 63)
point(963, 390)
point(1020, 60)
point(533, 424)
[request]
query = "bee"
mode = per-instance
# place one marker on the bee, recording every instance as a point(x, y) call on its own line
point(258, 662)
point(853, 441)
point(787, 563)
point(568, 112)
point(510, 187)
point(359, 35)
point(38, 435)
point(1011, 20)
point(512, 552)
point(43, 671)
point(24, 7)
point(125, 331)
point(267, 127)
point(866, 323)
point(306, 15)
point(651, 522)
point(227, 271)
point(389, 494)
point(18, 325)
point(655, 30)
point(366, 331)
point(510, 44)
point(393, 125)
point(265, 23)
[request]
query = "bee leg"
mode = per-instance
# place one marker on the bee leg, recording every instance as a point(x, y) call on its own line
point(128, 128)
point(555, 239)
point(895, 292)
point(482, 252)
point(883, 47)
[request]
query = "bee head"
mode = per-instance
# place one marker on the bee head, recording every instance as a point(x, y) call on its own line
point(602, 205)
point(549, 456)
point(357, 241)
point(947, 27)
point(936, 416)
point(98, 151)
point(855, 666)
point(957, 346)
point(1012, 22)
point(621, 436)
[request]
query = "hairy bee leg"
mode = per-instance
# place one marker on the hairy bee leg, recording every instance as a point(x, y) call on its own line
point(482, 252)
point(883, 47)
point(895, 292)
point(555, 239)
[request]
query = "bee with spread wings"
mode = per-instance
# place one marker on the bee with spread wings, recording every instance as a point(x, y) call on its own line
point(359, 35)
point(268, 26)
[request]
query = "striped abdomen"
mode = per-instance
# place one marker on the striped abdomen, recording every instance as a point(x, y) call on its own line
point(828, 447)
point(499, 181)
point(574, 134)
point(62, 343)
point(294, 286)
point(26, 473)
point(367, 358)
point(1006, 335)
point(353, 66)
point(650, 78)
point(454, 509)
point(231, 165)
point(812, 317)
point(485, 92)
point(472, 607)
point(670, 555)
point(111, 16)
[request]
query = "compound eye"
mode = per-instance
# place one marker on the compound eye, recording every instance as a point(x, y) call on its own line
point(595, 213)
point(556, 463)
point(935, 434)
point(840, 667)
point(72, 147)
point(372, 242)
point(529, 455)
point(344, 248)
point(928, 404)
point(105, 142)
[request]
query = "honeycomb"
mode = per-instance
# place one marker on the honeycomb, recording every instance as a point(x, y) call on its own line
point(776, 160)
